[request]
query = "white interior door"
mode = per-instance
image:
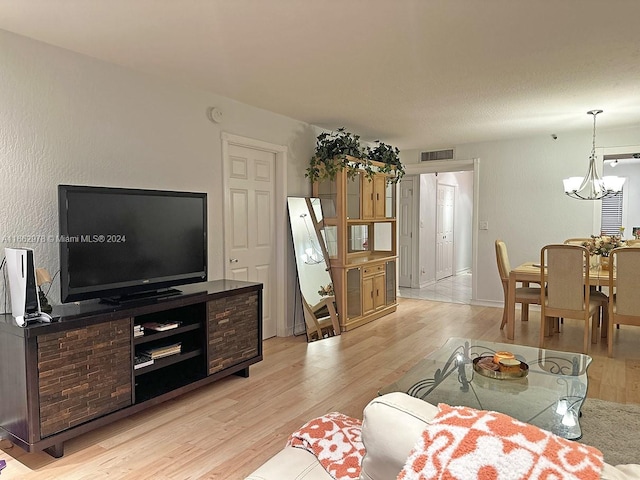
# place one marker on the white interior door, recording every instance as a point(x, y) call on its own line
point(406, 225)
point(249, 223)
point(445, 207)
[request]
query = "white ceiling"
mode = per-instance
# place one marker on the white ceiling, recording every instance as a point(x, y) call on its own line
point(413, 73)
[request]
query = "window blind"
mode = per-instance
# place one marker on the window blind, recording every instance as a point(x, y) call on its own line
point(611, 220)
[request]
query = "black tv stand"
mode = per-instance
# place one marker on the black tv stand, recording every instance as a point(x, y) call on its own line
point(219, 333)
point(136, 297)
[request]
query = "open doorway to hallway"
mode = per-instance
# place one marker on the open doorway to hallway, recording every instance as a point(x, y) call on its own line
point(436, 236)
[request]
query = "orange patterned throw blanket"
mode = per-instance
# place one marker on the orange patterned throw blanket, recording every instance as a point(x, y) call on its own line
point(464, 443)
point(335, 439)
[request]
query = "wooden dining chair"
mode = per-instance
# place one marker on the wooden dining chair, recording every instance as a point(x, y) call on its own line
point(321, 319)
point(581, 241)
point(624, 304)
point(568, 293)
point(524, 295)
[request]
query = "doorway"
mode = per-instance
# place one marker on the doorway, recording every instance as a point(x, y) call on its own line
point(253, 213)
point(445, 221)
point(406, 228)
point(436, 276)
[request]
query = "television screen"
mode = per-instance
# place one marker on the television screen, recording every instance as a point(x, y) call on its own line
point(117, 242)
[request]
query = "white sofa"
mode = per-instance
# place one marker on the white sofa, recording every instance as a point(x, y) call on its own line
point(391, 425)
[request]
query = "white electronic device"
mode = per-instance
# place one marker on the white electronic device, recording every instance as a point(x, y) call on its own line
point(25, 304)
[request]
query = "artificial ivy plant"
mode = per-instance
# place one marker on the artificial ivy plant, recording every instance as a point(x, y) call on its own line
point(340, 150)
point(390, 158)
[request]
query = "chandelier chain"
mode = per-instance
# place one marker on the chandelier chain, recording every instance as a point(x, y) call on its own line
point(593, 145)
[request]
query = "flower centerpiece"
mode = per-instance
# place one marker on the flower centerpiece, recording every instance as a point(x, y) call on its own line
point(603, 244)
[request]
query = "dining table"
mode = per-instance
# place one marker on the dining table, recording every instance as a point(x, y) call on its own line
point(529, 272)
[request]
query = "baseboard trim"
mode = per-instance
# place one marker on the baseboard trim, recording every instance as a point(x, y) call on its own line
point(493, 303)
point(486, 303)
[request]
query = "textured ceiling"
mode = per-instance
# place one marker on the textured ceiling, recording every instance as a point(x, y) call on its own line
point(413, 73)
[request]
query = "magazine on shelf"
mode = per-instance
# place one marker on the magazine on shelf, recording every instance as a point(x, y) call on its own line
point(160, 326)
point(142, 360)
point(164, 351)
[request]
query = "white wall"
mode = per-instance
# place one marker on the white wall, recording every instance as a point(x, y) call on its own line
point(68, 118)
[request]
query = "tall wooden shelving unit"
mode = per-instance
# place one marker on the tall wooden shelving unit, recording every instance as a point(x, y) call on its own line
point(360, 235)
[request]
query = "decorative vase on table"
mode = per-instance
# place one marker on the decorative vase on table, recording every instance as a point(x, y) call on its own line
point(601, 245)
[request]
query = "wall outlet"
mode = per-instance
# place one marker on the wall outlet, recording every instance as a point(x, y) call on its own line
point(484, 225)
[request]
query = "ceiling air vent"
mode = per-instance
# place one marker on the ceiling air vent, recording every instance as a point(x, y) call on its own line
point(437, 155)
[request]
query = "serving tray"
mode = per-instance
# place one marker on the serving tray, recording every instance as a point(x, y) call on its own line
point(524, 371)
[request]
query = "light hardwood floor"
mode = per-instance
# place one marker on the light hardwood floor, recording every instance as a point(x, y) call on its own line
point(227, 429)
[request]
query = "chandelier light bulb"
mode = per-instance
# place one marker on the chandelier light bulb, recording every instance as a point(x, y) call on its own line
point(562, 407)
point(568, 419)
point(313, 253)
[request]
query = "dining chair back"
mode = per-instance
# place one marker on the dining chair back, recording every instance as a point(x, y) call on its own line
point(524, 295)
point(504, 267)
point(321, 319)
point(624, 306)
point(567, 293)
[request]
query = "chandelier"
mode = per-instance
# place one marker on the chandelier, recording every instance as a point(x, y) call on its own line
point(592, 186)
point(313, 254)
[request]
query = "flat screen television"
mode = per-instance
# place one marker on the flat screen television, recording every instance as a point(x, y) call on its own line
point(118, 244)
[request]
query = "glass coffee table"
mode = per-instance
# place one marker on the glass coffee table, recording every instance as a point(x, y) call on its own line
point(549, 396)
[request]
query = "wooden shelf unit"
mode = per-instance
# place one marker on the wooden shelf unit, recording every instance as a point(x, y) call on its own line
point(62, 379)
point(360, 233)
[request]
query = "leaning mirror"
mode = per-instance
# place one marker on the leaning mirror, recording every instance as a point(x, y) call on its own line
point(314, 272)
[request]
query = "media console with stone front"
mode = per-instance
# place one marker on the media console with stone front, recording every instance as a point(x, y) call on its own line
point(62, 379)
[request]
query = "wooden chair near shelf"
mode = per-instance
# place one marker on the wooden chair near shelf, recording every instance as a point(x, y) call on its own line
point(524, 295)
point(568, 293)
point(321, 319)
point(624, 304)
